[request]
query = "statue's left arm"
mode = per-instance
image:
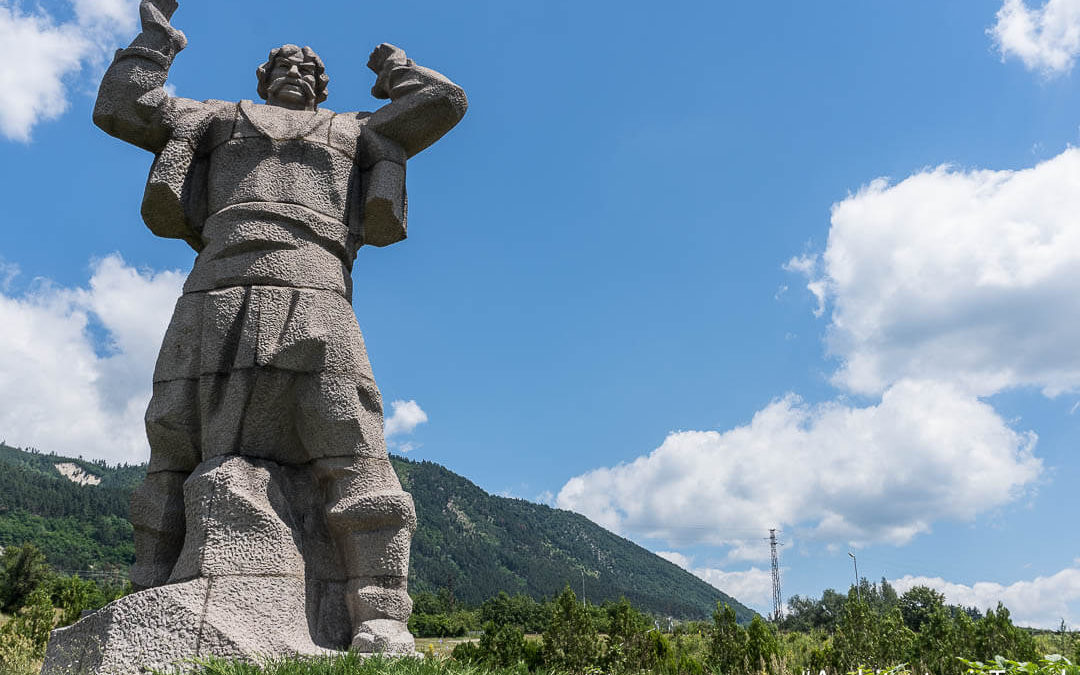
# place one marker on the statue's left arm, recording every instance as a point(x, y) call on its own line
point(423, 106)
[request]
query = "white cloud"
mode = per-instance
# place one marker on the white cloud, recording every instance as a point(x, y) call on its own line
point(752, 587)
point(943, 289)
point(962, 276)
point(113, 16)
point(57, 391)
point(8, 272)
point(1041, 602)
point(406, 447)
point(807, 265)
point(49, 53)
point(33, 83)
point(882, 473)
point(1045, 39)
point(405, 417)
point(676, 558)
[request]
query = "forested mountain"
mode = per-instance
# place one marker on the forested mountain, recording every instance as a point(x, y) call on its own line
point(482, 544)
point(78, 527)
point(468, 541)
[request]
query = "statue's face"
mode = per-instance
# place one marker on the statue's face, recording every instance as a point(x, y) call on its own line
point(292, 83)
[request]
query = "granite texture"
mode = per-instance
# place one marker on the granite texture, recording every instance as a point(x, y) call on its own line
point(271, 521)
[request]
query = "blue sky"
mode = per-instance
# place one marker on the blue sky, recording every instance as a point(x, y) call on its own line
point(694, 270)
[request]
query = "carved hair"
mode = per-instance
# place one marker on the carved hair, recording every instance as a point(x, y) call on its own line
point(321, 78)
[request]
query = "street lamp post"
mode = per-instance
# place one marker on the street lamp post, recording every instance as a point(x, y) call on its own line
point(582, 586)
point(858, 591)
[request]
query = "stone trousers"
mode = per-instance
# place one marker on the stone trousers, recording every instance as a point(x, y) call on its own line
point(276, 374)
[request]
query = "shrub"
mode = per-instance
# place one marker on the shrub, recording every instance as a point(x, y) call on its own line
point(1049, 665)
point(727, 646)
point(503, 645)
point(762, 647)
point(571, 641)
point(18, 656)
point(74, 596)
point(22, 569)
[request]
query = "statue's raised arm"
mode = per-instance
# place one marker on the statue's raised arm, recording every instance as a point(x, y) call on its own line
point(132, 92)
point(423, 106)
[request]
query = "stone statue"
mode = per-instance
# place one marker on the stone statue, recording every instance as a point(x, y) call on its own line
point(270, 521)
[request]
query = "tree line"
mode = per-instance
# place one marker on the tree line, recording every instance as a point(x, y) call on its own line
point(871, 627)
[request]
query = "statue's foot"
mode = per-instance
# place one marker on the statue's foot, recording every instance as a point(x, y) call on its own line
point(384, 635)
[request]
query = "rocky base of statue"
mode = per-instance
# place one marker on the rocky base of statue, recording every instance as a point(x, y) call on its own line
point(258, 578)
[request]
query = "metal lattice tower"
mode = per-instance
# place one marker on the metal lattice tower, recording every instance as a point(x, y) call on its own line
point(777, 600)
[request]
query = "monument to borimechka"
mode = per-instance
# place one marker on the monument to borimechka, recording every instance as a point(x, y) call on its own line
point(271, 521)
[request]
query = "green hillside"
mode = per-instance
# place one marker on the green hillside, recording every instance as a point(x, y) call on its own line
point(470, 541)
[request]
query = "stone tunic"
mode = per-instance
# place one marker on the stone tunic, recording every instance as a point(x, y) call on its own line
point(278, 202)
point(267, 300)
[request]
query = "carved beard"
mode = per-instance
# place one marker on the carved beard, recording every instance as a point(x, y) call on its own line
point(277, 85)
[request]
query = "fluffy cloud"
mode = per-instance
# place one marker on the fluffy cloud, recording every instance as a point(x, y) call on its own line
point(926, 452)
point(1042, 602)
point(404, 417)
point(962, 276)
point(942, 290)
point(676, 558)
point(1046, 39)
point(752, 587)
point(48, 53)
point(76, 363)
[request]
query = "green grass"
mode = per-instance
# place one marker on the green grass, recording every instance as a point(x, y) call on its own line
point(348, 664)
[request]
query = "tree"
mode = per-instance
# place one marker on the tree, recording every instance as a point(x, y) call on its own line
point(520, 609)
point(889, 599)
point(963, 639)
point(917, 605)
point(571, 641)
point(727, 646)
point(22, 569)
point(995, 635)
point(855, 644)
point(74, 595)
point(33, 622)
point(633, 644)
point(762, 647)
point(937, 645)
point(809, 613)
point(502, 646)
point(895, 642)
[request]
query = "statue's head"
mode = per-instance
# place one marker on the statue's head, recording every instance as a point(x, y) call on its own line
point(293, 77)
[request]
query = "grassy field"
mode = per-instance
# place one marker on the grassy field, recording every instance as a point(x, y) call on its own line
point(440, 647)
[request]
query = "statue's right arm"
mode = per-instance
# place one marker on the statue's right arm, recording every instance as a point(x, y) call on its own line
point(132, 95)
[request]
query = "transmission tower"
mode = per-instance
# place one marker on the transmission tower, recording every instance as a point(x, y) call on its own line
point(777, 601)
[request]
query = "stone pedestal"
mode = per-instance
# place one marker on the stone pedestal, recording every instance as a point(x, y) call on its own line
point(258, 575)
